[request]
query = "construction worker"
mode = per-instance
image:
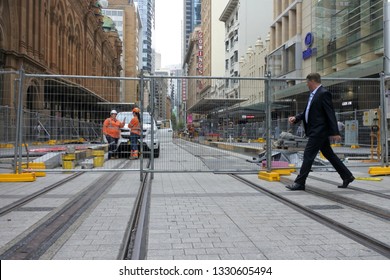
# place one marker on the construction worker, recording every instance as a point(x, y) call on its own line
point(111, 129)
point(135, 133)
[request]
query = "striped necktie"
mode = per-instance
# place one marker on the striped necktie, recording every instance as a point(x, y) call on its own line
point(308, 107)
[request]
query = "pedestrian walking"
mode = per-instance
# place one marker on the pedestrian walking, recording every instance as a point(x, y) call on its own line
point(319, 120)
point(111, 130)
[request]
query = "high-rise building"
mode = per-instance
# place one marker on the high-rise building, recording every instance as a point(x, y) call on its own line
point(191, 18)
point(162, 96)
point(213, 38)
point(146, 11)
point(287, 33)
point(335, 38)
point(124, 16)
point(245, 21)
point(349, 34)
point(328, 37)
point(191, 88)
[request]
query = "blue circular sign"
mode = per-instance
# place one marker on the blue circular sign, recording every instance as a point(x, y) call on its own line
point(309, 39)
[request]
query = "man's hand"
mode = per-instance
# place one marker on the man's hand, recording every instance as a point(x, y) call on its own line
point(291, 120)
point(335, 138)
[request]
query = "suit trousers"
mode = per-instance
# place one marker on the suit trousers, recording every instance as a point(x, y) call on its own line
point(313, 146)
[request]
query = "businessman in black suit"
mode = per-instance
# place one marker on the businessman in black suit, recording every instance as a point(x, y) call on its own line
point(320, 125)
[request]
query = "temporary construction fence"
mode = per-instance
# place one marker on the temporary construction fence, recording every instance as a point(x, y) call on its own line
point(218, 124)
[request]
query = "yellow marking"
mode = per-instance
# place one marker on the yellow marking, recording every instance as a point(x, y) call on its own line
point(368, 178)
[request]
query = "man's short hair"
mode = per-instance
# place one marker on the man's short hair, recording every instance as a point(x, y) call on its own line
point(315, 77)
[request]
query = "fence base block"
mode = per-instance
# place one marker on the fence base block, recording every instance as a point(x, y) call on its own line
point(23, 177)
point(6, 146)
point(284, 171)
point(269, 176)
point(30, 167)
point(378, 170)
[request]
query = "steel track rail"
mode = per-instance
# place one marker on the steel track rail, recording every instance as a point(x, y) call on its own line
point(19, 203)
point(359, 205)
point(383, 195)
point(134, 247)
point(37, 242)
point(372, 243)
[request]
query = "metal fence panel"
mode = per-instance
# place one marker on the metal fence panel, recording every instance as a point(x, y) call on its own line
point(8, 113)
point(210, 124)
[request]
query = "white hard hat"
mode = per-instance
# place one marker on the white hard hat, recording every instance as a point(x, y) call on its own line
point(113, 112)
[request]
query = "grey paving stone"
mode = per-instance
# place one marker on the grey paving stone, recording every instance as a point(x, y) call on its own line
point(208, 257)
point(194, 251)
point(182, 245)
point(231, 257)
point(170, 252)
point(203, 245)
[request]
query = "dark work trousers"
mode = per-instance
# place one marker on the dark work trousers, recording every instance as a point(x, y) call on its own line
point(134, 141)
point(112, 145)
point(313, 146)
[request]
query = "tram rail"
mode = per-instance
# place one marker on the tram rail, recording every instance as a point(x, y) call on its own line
point(132, 243)
point(348, 201)
point(38, 241)
point(360, 237)
point(135, 237)
point(374, 193)
point(19, 203)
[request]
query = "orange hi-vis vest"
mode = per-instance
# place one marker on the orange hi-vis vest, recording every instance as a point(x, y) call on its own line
point(112, 127)
point(135, 126)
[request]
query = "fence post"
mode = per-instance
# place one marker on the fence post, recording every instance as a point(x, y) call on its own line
point(152, 105)
point(141, 98)
point(383, 105)
point(384, 95)
point(19, 125)
point(268, 120)
point(386, 36)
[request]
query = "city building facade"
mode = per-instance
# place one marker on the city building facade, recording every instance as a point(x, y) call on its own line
point(213, 38)
point(146, 10)
point(245, 21)
point(335, 38)
point(191, 89)
point(349, 37)
point(58, 37)
point(176, 92)
point(126, 19)
point(162, 100)
point(191, 19)
point(286, 32)
point(253, 65)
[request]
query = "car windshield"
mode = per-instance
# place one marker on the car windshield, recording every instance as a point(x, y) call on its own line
point(129, 115)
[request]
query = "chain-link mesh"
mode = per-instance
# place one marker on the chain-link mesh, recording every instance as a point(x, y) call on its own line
point(188, 123)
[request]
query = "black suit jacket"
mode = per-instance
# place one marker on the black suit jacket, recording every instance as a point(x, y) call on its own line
point(322, 120)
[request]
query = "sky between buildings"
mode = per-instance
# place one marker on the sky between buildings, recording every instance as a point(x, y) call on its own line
point(168, 32)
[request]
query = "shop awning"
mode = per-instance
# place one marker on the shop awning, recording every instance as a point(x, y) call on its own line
point(209, 105)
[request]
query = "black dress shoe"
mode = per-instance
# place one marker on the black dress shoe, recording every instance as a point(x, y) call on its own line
point(346, 182)
point(296, 187)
